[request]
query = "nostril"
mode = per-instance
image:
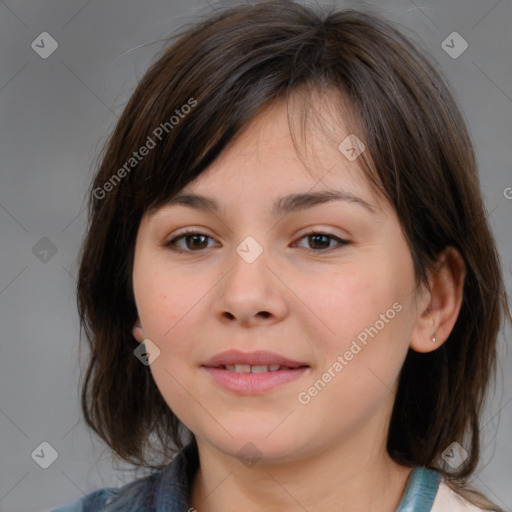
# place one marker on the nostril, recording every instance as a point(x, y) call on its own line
point(264, 314)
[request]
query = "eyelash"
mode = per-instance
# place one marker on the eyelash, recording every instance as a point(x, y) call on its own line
point(171, 244)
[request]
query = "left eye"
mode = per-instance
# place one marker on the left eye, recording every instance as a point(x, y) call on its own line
point(197, 241)
point(322, 241)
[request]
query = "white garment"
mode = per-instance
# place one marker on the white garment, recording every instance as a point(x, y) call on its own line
point(447, 500)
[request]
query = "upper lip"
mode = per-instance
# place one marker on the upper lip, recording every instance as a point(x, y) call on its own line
point(260, 357)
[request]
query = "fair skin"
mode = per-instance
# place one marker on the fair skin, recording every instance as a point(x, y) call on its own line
point(305, 298)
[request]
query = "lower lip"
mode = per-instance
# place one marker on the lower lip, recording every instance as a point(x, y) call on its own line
point(254, 383)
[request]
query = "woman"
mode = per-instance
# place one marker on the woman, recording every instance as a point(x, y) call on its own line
point(288, 269)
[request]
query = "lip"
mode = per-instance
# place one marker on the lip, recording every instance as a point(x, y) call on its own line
point(260, 357)
point(253, 383)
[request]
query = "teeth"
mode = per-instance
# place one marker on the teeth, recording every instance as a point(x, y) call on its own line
point(243, 368)
point(259, 369)
point(247, 368)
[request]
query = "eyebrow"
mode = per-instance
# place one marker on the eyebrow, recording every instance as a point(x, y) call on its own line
point(285, 204)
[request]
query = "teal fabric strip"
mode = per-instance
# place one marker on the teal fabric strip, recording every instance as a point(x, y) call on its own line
point(421, 491)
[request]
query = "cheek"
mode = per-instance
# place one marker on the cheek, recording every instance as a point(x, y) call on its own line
point(365, 310)
point(362, 359)
point(348, 302)
point(164, 299)
point(167, 303)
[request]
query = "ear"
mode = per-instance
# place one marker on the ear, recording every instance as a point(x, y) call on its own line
point(439, 307)
point(138, 332)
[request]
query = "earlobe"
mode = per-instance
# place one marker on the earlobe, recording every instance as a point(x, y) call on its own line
point(441, 306)
point(138, 332)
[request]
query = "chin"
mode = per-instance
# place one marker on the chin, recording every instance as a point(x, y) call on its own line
point(252, 446)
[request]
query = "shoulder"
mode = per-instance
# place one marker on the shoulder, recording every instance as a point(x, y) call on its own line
point(447, 500)
point(92, 501)
point(134, 496)
point(166, 489)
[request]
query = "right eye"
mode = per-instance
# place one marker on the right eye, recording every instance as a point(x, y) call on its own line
point(193, 242)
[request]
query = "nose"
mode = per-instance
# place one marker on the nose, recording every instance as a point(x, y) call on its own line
point(251, 293)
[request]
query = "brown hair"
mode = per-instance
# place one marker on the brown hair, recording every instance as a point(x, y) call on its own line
point(419, 155)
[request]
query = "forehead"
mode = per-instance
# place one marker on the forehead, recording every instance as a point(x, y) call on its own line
point(286, 146)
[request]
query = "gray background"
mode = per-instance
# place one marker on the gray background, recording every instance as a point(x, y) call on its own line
point(55, 115)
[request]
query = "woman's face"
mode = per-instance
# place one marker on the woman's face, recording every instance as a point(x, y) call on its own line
point(313, 298)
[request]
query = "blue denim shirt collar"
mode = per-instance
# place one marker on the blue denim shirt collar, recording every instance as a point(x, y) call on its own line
point(174, 486)
point(164, 491)
point(420, 491)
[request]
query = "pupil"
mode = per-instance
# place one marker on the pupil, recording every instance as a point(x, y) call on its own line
point(317, 240)
point(195, 239)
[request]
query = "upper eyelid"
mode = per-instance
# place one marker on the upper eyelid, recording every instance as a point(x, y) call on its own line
point(204, 231)
point(189, 232)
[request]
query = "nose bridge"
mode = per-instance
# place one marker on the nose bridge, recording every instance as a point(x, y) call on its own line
point(249, 249)
point(249, 264)
point(250, 288)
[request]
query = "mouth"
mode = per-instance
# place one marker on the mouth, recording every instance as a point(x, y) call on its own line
point(245, 362)
point(258, 368)
point(253, 373)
